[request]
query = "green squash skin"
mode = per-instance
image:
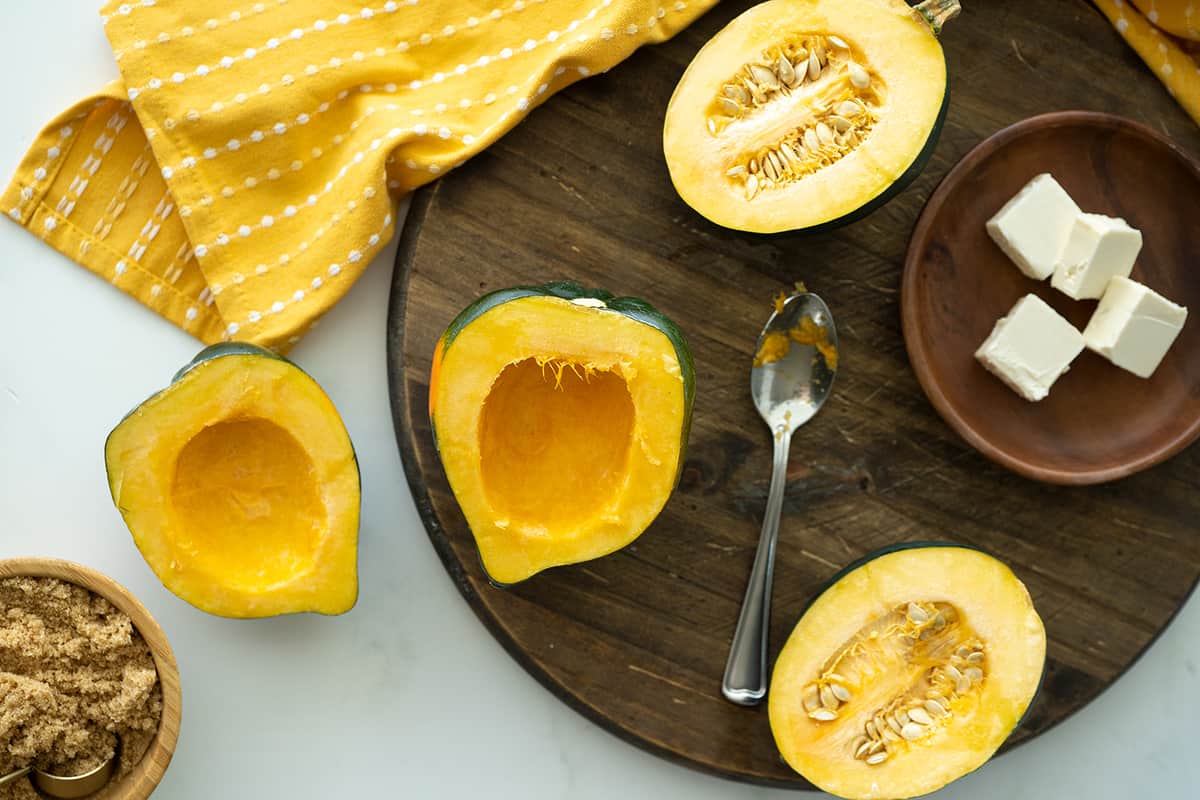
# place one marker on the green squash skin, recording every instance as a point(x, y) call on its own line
point(221, 350)
point(895, 548)
point(631, 307)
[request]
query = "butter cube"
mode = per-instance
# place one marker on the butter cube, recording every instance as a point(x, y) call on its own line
point(1098, 249)
point(1134, 326)
point(1032, 227)
point(1030, 348)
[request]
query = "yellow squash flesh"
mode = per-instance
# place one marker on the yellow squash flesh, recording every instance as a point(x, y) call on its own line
point(560, 426)
point(988, 609)
point(240, 487)
point(907, 71)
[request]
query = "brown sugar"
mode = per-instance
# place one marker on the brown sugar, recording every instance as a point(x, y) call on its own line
point(76, 681)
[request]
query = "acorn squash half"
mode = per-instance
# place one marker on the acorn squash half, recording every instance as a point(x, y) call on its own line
point(907, 672)
point(561, 416)
point(240, 487)
point(806, 113)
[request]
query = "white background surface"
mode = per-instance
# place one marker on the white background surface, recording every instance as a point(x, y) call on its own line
point(408, 695)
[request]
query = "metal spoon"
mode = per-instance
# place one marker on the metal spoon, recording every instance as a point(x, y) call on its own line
point(59, 786)
point(788, 391)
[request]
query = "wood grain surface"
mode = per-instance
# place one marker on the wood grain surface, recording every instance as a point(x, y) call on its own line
point(143, 778)
point(1099, 422)
point(637, 641)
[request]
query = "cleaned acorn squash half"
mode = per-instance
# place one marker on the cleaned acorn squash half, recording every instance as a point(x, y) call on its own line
point(807, 113)
point(907, 672)
point(240, 486)
point(561, 416)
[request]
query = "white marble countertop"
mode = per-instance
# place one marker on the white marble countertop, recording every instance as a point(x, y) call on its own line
point(408, 695)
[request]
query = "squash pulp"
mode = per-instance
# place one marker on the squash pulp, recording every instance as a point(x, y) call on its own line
point(239, 485)
point(805, 113)
point(908, 672)
point(560, 417)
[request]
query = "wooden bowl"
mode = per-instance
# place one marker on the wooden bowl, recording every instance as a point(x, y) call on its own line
point(144, 777)
point(1099, 422)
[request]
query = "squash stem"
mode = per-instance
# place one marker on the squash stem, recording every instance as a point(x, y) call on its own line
point(938, 12)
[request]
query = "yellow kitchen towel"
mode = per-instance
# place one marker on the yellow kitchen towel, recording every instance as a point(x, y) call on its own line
point(1175, 60)
point(242, 173)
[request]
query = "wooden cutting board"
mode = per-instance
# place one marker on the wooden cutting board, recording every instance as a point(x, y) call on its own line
point(637, 641)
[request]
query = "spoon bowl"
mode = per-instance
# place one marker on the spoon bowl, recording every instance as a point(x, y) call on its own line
point(792, 377)
point(789, 390)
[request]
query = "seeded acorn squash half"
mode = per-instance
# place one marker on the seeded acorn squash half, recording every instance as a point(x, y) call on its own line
point(561, 416)
point(802, 114)
point(907, 672)
point(240, 486)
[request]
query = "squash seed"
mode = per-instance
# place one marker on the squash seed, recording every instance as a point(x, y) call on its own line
point(737, 93)
point(838, 42)
point(962, 686)
point(814, 67)
point(953, 672)
point(751, 186)
point(776, 162)
point(840, 124)
point(872, 731)
point(824, 133)
point(916, 614)
point(893, 724)
point(976, 657)
point(819, 52)
point(840, 692)
point(973, 674)
point(823, 715)
point(861, 746)
point(877, 758)
point(784, 69)
point(847, 108)
point(773, 174)
point(878, 746)
point(811, 141)
point(935, 708)
point(858, 76)
point(912, 731)
point(734, 171)
point(827, 697)
point(712, 126)
point(731, 107)
point(810, 698)
point(764, 76)
point(920, 716)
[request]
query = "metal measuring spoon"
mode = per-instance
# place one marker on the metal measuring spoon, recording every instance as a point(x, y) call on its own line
point(790, 380)
point(59, 786)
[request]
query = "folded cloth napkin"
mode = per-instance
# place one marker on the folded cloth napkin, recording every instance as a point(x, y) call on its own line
point(239, 176)
point(1174, 59)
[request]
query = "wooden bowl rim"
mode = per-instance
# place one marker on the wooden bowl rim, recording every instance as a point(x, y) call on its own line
point(911, 319)
point(144, 778)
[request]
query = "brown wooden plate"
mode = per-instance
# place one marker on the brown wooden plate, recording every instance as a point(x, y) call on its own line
point(1099, 422)
point(636, 641)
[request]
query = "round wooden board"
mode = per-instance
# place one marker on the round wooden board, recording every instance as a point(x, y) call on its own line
point(637, 641)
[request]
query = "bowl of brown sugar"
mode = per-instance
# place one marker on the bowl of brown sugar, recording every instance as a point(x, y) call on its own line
point(86, 678)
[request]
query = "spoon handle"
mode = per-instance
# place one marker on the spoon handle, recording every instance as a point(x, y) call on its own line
point(745, 680)
point(13, 776)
